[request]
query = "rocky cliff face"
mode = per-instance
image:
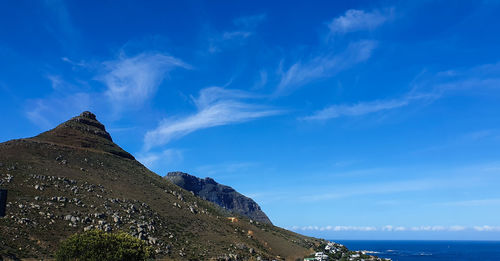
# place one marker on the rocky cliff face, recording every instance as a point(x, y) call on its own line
point(221, 195)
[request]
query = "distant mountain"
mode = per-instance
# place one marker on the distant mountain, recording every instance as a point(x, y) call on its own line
point(219, 194)
point(74, 178)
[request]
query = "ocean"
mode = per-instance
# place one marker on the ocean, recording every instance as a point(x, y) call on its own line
point(407, 250)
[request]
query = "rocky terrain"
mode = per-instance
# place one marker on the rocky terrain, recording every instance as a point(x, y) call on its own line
point(74, 178)
point(222, 195)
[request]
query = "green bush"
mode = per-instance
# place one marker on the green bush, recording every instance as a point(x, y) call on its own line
point(99, 245)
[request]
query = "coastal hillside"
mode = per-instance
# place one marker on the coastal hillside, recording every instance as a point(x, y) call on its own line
point(222, 195)
point(75, 178)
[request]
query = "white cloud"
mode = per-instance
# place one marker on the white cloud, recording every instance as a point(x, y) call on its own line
point(428, 228)
point(357, 20)
point(487, 228)
point(131, 81)
point(215, 107)
point(358, 109)
point(457, 228)
point(211, 95)
point(325, 65)
point(391, 228)
point(362, 108)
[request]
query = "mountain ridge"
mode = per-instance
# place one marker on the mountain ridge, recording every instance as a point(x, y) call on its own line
point(222, 195)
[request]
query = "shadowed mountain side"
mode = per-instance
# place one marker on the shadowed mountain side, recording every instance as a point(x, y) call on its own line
point(222, 195)
point(74, 178)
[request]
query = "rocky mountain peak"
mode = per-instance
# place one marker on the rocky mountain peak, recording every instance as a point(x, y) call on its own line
point(88, 115)
point(87, 122)
point(84, 131)
point(219, 194)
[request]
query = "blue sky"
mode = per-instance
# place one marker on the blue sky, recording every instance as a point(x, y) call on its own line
point(342, 119)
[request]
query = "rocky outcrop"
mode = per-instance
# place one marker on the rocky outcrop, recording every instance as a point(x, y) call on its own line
point(84, 131)
point(219, 194)
point(88, 123)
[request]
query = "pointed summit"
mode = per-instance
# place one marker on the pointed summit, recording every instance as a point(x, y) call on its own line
point(87, 122)
point(83, 131)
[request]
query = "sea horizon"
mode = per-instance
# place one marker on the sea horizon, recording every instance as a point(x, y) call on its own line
point(459, 240)
point(438, 250)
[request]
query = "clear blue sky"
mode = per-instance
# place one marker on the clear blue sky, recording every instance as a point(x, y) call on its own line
point(342, 119)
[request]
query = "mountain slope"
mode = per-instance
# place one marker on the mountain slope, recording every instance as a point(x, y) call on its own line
point(219, 194)
point(74, 178)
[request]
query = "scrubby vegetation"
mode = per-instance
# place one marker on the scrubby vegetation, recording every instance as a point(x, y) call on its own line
point(99, 245)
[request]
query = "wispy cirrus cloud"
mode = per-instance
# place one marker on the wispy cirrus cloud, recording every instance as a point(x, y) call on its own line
point(362, 108)
point(327, 63)
point(131, 81)
point(357, 20)
point(427, 89)
point(215, 106)
point(324, 65)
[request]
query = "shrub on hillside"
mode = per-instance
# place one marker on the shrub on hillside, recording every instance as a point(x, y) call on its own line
point(99, 245)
